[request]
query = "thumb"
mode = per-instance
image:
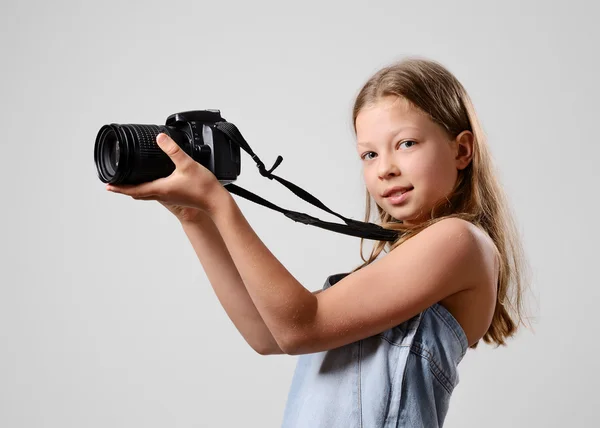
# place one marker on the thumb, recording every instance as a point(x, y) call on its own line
point(170, 147)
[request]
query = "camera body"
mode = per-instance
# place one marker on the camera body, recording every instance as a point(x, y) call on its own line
point(129, 154)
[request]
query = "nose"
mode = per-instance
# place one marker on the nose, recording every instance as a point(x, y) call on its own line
point(387, 167)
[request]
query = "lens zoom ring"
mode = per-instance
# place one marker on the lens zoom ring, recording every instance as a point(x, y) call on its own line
point(150, 161)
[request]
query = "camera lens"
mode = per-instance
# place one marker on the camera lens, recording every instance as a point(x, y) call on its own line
point(110, 152)
point(128, 154)
point(114, 154)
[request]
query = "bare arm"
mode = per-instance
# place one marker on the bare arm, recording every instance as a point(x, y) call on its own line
point(228, 285)
point(442, 260)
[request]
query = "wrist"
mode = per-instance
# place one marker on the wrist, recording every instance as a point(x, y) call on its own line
point(218, 202)
point(200, 219)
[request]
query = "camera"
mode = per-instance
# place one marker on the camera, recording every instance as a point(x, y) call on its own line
point(129, 154)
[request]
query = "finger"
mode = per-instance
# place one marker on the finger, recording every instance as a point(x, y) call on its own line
point(170, 147)
point(144, 190)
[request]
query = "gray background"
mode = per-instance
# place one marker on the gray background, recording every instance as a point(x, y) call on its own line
point(106, 316)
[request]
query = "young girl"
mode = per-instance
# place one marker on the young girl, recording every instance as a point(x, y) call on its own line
point(378, 346)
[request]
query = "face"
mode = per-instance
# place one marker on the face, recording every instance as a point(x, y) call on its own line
point(400, 145)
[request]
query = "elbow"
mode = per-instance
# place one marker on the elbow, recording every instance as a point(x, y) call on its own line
point(294, 351)
point(296, 338)
point(295, 344)
point(263, 351)
point(299, 337)
point(273, 348)
point(288, 348)
point(290, 344)
point(268, 351)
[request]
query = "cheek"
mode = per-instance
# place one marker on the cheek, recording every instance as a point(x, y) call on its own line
point(441, 180)
point(371, 184)
point(368, 180)
point(435, 178)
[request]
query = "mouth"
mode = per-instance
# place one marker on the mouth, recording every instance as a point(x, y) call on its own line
point(396, 191)
point(398, 197)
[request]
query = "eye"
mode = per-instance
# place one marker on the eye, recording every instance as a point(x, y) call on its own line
point(408, 141)
point(364, 156)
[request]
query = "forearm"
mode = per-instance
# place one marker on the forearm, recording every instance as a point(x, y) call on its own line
point(283, 303)
point(228, 285)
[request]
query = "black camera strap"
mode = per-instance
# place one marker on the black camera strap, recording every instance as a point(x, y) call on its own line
point(352, 227)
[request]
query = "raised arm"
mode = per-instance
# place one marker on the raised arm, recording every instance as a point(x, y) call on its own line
point(228, 285)
point(449, 257)
point(191, 185)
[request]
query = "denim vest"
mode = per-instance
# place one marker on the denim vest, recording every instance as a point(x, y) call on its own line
point(402, 377)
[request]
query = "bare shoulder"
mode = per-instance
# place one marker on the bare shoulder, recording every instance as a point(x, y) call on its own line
point(461, 239)
point(474, 307)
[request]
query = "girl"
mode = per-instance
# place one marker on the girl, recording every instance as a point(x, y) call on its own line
point(382, 346)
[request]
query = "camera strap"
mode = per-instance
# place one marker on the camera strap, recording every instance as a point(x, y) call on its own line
point(352, 227)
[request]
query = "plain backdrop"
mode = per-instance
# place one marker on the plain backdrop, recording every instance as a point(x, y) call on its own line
point(106, 316)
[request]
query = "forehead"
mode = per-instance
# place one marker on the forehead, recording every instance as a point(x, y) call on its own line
point(388, 116)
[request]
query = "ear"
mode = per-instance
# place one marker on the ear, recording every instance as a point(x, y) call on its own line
point(464, 149)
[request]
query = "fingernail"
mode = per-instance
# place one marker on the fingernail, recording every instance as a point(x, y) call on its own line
point(161, 138)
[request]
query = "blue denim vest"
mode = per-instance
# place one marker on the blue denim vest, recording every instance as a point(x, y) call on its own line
point(402, 377)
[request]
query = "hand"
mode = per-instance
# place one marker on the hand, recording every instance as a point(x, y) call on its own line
point(190, 185)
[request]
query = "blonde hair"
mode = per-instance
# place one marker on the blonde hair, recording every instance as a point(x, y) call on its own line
point(477, 195)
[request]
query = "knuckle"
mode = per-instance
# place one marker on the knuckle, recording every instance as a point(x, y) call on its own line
point(173, 150)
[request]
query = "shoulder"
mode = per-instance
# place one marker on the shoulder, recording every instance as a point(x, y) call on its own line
point(452, 232)
point(452, 227)
point(465, 250)
point(474, 307)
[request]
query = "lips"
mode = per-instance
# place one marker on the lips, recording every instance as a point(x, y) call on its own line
point(396, 189)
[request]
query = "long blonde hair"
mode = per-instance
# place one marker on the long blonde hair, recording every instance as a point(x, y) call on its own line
point(477, 195)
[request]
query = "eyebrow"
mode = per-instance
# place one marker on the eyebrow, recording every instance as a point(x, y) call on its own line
point(395, 133)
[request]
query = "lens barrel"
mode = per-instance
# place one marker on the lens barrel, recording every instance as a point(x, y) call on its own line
point(128, 154)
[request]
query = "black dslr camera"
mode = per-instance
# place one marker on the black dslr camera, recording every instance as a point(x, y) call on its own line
point(128, 154)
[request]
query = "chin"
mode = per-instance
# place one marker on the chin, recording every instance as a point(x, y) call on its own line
point(395, 212)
